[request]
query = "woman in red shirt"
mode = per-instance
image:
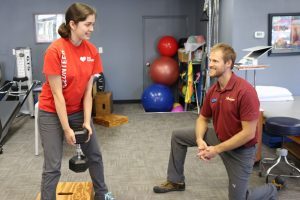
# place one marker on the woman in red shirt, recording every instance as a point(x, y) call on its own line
point(65, 102)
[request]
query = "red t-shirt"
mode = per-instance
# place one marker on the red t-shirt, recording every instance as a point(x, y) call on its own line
point(237, 102)
point(75, 65)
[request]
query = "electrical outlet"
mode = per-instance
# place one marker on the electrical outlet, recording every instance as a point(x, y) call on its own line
point(100, 49)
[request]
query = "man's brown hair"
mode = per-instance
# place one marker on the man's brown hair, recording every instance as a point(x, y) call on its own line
point(227, 50)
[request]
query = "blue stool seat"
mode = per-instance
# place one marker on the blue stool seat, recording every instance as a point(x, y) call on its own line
point(281, 126)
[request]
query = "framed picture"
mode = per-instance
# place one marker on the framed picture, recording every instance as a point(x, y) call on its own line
point(46, 26)
point(284, 34)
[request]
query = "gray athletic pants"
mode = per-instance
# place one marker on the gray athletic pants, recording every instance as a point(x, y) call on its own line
point(52, 137)
point(238, 164)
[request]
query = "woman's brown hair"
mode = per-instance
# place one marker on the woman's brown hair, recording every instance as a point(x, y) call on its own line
point(77, 12)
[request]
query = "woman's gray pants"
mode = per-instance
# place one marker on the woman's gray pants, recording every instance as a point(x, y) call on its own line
point(52, 137)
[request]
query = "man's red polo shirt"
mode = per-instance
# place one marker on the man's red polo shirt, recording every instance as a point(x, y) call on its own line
point(237, 102)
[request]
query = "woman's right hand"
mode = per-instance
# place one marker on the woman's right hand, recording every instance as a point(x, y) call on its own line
point(70, 137)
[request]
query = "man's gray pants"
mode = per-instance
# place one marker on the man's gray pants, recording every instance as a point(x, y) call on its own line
point(52, 137)
point(238, 163)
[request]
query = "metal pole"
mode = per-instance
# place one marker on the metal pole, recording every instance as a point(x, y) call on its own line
point(209, 24)
point(216, 21)
point(209, 41)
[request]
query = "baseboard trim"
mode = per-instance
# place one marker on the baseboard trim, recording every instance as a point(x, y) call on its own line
point(126, 101)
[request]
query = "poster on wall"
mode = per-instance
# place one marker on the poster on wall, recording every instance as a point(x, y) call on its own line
point(284, 34)
point(46, 27)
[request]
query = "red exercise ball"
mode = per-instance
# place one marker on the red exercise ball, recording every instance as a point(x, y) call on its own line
point(167, 46)
point(164, 70)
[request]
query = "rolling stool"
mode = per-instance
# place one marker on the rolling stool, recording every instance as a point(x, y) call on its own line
point(280, 126)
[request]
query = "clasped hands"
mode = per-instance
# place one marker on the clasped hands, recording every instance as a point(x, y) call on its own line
point(206, 152)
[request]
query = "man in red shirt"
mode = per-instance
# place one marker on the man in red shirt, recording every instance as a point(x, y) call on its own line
point(233, 105)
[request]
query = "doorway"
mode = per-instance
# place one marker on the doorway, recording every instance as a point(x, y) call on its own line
point(154, 27)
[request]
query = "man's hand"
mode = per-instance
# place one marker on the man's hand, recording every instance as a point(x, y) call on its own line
point(202, 146)
point(209, 153)
point(206, 152)
point(70, 137)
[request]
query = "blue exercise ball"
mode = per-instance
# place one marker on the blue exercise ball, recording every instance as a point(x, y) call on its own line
point(157, 98)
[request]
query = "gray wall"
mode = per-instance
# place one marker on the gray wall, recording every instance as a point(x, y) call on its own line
point(226, 21)
point(118, 30)
point(240, 19)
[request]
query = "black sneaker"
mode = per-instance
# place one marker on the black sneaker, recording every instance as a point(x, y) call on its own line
point(169, 187)
point(279, 182)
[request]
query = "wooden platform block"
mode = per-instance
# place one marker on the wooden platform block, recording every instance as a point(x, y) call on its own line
point(73, 190)
point(103, 103)
point(110, 120)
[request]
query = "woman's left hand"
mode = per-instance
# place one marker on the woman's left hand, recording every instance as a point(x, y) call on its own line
point(89, 128)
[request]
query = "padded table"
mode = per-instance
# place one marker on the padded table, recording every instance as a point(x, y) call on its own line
point(282, 108)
